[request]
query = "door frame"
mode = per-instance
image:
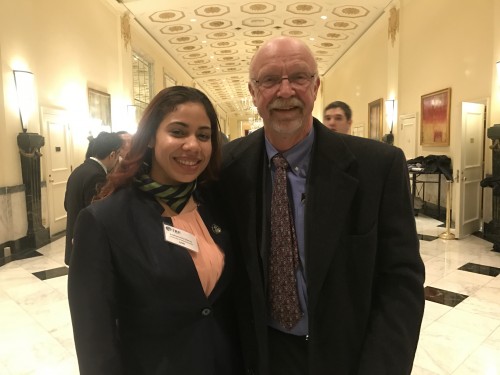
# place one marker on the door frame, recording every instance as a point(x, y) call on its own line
point(402, 118)
point(458, 171)
point(46, 113)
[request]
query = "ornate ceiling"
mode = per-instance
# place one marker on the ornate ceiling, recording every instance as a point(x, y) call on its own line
point(214, 42)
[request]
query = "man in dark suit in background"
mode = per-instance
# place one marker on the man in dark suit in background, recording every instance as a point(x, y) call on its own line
point(85, 180)
point(357, 272)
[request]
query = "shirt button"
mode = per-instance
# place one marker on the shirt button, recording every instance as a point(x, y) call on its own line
point(206, 311)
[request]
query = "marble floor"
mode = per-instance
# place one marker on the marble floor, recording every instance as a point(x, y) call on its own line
point(460, 332)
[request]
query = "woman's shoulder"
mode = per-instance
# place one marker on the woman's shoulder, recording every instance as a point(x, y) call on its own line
point(122, 200)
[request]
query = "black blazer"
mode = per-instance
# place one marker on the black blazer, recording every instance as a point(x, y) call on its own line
point(136, 301)
point(364, 271)
point(82, 186)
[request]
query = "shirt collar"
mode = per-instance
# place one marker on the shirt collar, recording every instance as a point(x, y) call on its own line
point(298, 156)
point(100, 163)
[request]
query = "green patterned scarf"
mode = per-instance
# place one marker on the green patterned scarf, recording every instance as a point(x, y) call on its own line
point(175, 196)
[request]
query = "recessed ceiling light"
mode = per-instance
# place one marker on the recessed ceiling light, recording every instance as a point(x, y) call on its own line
point(323, 17)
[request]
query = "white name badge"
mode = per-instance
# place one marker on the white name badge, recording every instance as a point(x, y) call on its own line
point(180, 237)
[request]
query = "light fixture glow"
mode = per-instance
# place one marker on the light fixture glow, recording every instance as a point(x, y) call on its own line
point(390, 110)
point(25, 88)
point(132, 114)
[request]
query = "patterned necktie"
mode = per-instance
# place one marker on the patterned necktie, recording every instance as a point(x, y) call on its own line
point(283, 258)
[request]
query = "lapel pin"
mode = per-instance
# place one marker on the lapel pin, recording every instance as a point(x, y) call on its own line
point(216, 229)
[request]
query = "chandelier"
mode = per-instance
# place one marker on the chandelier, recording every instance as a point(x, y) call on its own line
point(255, 121)
point(246, 104)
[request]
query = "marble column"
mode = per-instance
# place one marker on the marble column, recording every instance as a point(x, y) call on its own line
point(29, 149)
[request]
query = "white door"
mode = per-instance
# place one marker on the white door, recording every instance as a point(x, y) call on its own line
point(57, 157)
point(408, 135)
point(467, 179)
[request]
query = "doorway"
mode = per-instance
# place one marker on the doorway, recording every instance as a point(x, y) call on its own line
point(57, 158)
point(469, 170)
point(408, 135)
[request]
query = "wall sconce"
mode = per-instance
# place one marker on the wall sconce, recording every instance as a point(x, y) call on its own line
point(25, 88)
point(390, 110)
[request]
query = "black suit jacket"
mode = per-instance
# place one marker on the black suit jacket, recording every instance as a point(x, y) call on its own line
point(136, 301)
point(364, 271)
point(82, 186)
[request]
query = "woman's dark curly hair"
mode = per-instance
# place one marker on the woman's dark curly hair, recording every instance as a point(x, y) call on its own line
point(164, 103)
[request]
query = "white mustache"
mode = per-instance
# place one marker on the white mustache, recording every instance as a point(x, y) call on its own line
point(285, 103)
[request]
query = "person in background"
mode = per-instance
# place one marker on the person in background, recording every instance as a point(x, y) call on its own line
point(223, 138)
point(127, 141)
point(331, 279)
point(150, 276)
point(84, 182)
point(337, 116)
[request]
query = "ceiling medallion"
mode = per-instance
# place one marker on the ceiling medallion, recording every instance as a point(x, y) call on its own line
point(203, 67)
point(294, 33)
point(216, 24)
point(341, 25)
point(224, 44)
point(166, 16)
point(197, 62)
point(212, 10)
point(175, 29)
point(327, 45)
point(183, 39)
point(259, 33)
point(206, 72)
point(194, 55)
point(257, 22)
point(334, 36)
point(255, 42)
point(220, 35)
point(351, 11)
point(304, 8)
point(257, 8)
point(226, 52)
point(189, 48)
point(298, 22)
point(228, 58)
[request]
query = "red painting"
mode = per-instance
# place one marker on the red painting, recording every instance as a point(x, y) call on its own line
point(435, 115)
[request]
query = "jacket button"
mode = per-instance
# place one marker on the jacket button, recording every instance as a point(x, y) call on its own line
point(206, 311)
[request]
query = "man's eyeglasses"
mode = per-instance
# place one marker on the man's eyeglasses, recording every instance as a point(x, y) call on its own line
point(297, 80)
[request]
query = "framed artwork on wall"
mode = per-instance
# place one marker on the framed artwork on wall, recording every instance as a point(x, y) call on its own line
point(375, 116)
point(99, 107)
point(358, 130)
point(435, 118)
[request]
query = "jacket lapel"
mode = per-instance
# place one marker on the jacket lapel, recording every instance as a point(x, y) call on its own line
point(246, 162)
point(330, 190)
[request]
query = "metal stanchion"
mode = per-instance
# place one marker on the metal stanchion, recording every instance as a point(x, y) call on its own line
point(447, 235)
